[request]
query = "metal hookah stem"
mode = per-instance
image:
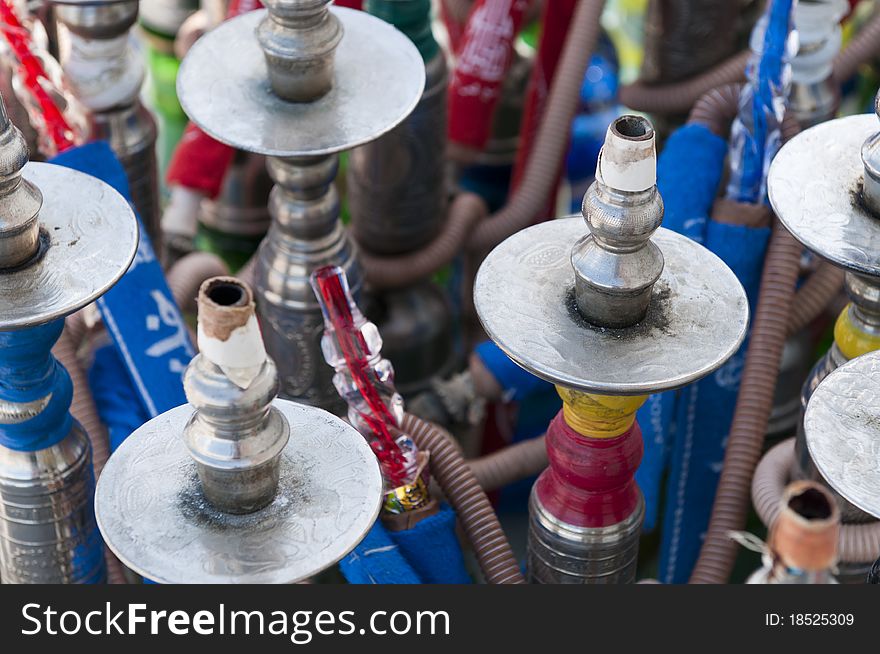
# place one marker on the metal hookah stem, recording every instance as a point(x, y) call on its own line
point(48, 532)
point(106, 74)
point(299, 39)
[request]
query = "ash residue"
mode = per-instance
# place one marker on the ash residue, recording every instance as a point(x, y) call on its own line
point(294, 494)
point(657, 317)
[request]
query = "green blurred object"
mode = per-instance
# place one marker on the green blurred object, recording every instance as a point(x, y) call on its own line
point(162, 97)
point(234, 249)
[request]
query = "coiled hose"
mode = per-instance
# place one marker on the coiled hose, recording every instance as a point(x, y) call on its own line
point(753, 406)
point(469, 501)
point(187, 274)
point(679, 97)
point(815, 294)
point(510, 464)
point(466, 210)
point(858, 543)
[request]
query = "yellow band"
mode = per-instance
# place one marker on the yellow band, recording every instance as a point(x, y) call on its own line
point(599, 416)
point(852, 341)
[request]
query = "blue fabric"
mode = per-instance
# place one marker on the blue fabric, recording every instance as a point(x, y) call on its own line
point(139, 311)
point(115, 398)
point(516, 382)
point(426, 554)
point(689, 171)
point(688, 431)
point(756, 133)
point(431, 548)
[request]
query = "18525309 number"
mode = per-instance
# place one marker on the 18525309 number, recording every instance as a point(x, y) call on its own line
point(821, 619)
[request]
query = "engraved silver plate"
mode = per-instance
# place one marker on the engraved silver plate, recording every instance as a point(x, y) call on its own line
point(524, 295)
point(842, 426)
point(152, 513)
point(815, 183)
point(223, 87)
point(92, 237)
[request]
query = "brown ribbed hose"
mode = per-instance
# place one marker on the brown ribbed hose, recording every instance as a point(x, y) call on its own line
point(187, 274)
point(469, 501)
point(863, 47)
point(679, 97)
point(753, 406)
point(818, 291)
point(859, 543)
point(510, 464)
point(466, 211)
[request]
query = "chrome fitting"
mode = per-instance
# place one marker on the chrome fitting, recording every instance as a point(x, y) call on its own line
point(299, 38)
point(235, 435)
point(616, 264)
point(19, 221)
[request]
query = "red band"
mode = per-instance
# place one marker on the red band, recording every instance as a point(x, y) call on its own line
point(590, 480)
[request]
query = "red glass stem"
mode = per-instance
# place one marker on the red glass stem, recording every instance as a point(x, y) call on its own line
point(354, 350)
point(34, 76)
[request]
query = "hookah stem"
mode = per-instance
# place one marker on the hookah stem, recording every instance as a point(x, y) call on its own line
point(353, 347)
point(33, 74)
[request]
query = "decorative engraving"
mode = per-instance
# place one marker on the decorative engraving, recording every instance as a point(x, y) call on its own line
point(842, 425)
point(154, 517)
point(521, 294)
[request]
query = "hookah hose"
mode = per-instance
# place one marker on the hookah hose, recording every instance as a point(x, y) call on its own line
point(467, 221)
point(857, 542)
point(716, 110)
point(679, 97)
point(755, 398)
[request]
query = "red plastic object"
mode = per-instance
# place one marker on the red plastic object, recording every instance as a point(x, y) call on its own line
point(590, 481)
point(484, 55)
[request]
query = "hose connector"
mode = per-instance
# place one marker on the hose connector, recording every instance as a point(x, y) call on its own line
point(20, 201)
point(235, 436)
point(299, 38)
point(802, 546)
point(616, 264)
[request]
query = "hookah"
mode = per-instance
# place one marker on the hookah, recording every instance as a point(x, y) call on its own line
point(822, 186)
point(236, 486)
point(105, 71)
point(608, 317)
point(58, 253)
point(397, 193)
point(299, 83)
